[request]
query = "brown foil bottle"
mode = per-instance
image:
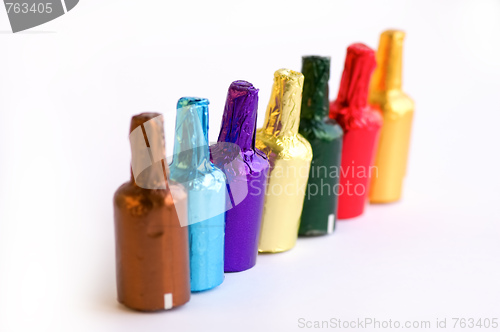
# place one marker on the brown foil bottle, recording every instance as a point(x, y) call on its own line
point(152, 260)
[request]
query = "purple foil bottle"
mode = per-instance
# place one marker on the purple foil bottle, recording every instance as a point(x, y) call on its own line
point(246, 171)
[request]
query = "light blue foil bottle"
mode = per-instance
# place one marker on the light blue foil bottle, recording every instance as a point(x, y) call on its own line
point(206, 187)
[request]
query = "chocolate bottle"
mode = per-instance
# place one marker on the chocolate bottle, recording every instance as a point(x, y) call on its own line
point(246, 171)
point(325, 135)
point(152, 263)
point(397, 109)
point(206, 188)
point(289, 155)
point(361, 124)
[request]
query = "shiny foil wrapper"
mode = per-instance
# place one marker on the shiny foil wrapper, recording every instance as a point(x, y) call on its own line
point(397, 109)
point(361, 124)
point(289, 155)
point(246, 171)
point(206, 188)
point(152, 262)
point(325, 135)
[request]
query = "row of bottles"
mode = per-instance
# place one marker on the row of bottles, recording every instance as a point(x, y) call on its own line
point(179, 227)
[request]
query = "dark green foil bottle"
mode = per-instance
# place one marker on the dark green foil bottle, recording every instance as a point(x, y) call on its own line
point(325, 135)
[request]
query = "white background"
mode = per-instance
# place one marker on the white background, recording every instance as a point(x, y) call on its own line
point(68, 89)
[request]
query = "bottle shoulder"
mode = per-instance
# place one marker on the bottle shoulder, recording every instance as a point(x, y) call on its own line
point(208, 178)
point(226, 156)
point(394, 101)
point(139, 201)
point(321, 129)
point(293, 146)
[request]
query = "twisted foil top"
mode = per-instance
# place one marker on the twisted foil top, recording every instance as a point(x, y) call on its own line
point(351, 109)
point(315, 103)
point(283, 111)
point(191, 158)
point(198, 105)
point(387, 75)
point(316, 70)
point(147, 142)
point(238, 127)
point(240, 115)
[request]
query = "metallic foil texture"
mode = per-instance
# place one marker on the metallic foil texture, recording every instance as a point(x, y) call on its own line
point(397, 109)
point(325, 135)
point(246, 171)
point(152, 262)
point(290, 157)
point(206, 187)
point(361, 124)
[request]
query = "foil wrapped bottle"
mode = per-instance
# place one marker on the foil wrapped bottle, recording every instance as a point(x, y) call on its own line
point(289, 155)
point(246, 171)
point(361, 124)
point(325, 135)
point(397, 109)
point(152, 262)
point(206, 188)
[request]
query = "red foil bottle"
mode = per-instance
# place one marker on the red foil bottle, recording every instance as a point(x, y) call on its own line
point(361, 124)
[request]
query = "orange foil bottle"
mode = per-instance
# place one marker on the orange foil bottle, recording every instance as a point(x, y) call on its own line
point(397, 109)
point(361, 124)
point(152, 260)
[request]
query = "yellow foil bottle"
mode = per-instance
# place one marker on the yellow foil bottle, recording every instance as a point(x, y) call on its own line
point(290, 156)
point(397, 109)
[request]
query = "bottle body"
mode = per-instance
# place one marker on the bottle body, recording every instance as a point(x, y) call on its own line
point(392, 154)
point(321, 199)
point(243, 218)
point(290, 160)
point(152, 262)
point(206, 237)
point(358, 152)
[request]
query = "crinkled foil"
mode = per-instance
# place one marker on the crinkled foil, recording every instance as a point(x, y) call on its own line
point(152, 262)
point(325, 135)
point(246, 171)
point(397, 109)
point(361, 124)
point(290, 157)
point(206, 187)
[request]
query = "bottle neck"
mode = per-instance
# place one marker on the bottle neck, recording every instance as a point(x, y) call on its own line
point(283, 110)
point(316, 72)
point(359, 65)
point(240, 115)
point(147, 142)
point(387, 76)
point(191, 150)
